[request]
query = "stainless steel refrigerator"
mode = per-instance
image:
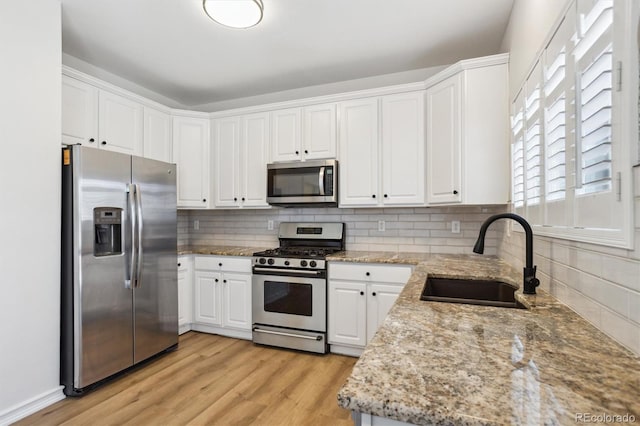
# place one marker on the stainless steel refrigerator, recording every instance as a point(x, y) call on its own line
point(119, 296)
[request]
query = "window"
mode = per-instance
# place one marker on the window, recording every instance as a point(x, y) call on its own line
point(570, 156)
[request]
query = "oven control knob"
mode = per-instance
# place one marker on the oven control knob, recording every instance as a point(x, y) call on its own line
point(313, 264)
point(303, 263)
point(262, 260)
point(270, 261)
point(287, 263)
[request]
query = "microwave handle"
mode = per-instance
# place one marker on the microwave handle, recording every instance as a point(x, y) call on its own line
point(321, 180)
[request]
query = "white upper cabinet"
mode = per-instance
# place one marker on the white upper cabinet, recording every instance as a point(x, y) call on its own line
point(467, 137)
point(319, 136)
point(157, 135)
point(300, 134)
point(286, 134)
point(226, 162)
point(254, 155)
point(119, 123)
point(96, 117)
point(191, 155)
point(443, 141)
point(359, 152)
point(403, 159)
point(79, 113)
point(382, 151)
point(240, 161)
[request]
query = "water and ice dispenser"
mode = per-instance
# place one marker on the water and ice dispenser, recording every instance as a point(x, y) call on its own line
point(107, 222)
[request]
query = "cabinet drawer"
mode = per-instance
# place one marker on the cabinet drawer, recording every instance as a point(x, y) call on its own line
point(376, 272)
point(223, 263)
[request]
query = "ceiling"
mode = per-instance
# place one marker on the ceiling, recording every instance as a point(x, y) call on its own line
point(172, 48)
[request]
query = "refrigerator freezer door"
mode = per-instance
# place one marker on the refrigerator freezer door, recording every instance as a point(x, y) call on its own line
point(155, 292)
point(103, 319)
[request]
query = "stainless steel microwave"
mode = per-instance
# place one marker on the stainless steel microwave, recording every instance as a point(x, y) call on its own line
point(299, 184)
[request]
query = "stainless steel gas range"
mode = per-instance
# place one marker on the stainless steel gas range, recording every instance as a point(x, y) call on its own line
point(290, 286)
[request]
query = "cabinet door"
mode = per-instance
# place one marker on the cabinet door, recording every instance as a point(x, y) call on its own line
point(319, 137)
point(157, 135)
point(347, 313)
point(79, 113)
point(359, 153)
point(226, 162)
point(444, 141)
point(185, 293)
point(207, 300)
point(403, 154)
point(191, 155)
point(119, 124)
point(286, 135)
point(237, 300)
point(254, 155)
point(380, 298)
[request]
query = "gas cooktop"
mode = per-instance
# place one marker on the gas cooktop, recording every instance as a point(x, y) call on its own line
point(298, 252)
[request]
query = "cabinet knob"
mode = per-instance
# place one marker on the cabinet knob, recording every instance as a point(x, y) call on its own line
point(216, 280)
point(306, 152)
point(224, 281)
point(235, 198)
point(386, 196)
point(373, 294)
point(373, 196)
point(204, 200)
point(297, 152)
point(367, 274)
point(220, 264)
point(362, 293)
point(455, 192)
point(179, 264)
point(92, 140)
point(242, 198)
point(103, 142)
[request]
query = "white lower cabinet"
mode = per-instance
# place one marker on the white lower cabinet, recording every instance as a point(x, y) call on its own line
point(185, 293)
point(360, 297)
point(222, 295)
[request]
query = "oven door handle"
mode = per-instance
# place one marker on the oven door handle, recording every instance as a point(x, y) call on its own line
point(279, 333)
point(283, 272)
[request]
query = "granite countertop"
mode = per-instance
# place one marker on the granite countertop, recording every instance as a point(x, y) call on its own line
point(219, 250)
point(445, 363)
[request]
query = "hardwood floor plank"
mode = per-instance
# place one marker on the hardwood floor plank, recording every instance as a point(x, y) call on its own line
point(212, 379)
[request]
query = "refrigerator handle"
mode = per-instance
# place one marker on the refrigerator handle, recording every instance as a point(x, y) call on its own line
point(140, 223)
point(131, 214)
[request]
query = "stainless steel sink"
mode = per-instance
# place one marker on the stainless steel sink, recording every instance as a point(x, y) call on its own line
point(474, 292)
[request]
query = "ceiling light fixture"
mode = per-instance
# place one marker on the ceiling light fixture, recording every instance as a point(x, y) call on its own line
point(234, 13)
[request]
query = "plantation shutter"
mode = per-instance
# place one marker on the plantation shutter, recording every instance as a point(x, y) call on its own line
point(517, 152)
point(533, 161)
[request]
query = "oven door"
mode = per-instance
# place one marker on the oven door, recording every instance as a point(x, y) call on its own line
point(291, 302)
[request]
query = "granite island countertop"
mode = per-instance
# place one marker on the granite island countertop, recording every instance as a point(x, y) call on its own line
point(445, 363)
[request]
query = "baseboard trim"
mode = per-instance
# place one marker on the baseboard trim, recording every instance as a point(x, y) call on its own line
point(30, 406)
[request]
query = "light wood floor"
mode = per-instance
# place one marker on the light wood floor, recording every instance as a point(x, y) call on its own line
point(215, 380)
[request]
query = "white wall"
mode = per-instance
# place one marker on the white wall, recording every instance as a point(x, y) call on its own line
point(600, 283)
point(528, 27)
point(30, 44)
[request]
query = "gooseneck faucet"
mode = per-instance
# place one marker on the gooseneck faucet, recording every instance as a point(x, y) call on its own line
point(530, 280)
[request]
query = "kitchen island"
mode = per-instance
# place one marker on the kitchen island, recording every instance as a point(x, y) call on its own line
point(446, 363)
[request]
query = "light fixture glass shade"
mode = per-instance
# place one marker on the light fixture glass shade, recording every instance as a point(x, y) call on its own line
point(234, 13)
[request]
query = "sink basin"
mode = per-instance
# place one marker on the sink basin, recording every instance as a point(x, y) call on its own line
point(474, 292)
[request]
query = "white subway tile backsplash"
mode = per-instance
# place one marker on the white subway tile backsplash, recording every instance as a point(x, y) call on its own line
point(600, 283)
point(417, 229)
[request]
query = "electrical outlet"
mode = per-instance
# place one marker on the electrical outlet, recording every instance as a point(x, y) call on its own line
point(455, 226)
point(381, 226)
point(270, 225)
point(196, 224)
